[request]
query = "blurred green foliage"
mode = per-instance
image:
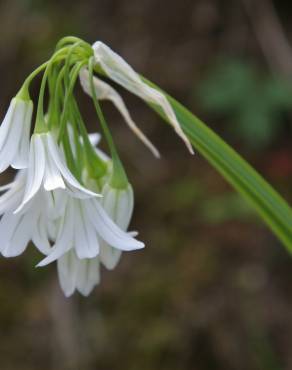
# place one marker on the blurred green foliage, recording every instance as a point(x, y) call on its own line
point(253, 100)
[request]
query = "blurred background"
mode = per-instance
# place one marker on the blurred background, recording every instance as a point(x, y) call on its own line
point(212, 289)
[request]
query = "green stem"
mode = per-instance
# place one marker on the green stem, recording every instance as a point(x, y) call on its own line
point(73, 78)
point(40, 125)
point(98, 168)
point(74, 40)
point(119, 178)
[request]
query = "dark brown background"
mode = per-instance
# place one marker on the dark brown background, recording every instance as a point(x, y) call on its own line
point(212, 289)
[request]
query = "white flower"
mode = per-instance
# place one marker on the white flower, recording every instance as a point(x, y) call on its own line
point(14, 134)
point(119, 204)
point(47, 168)
point(84, 274)
point(16, 230)
point(76, 274)
point(117, 69)
point(105, 91)
point(83, 224)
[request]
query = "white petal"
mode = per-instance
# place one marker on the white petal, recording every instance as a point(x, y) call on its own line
point(67, 271)
point(105, 91)
point(10, 200)
point(108, 230)
point(6, 187)
point(40, 236)
point(20, 159)
point(122, 73)
point(76, 188)
point(35, 170)
point(52, 177)
point(6, 124)
point(86, 242)
point(88, 275)
point(8, 224)
point(10, 144)
point(64, 240)
point(119, 204)
point(16, 231)
point(109, 256)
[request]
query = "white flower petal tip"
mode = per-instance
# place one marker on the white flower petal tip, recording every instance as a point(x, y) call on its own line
point(75, 274)
point(117, 69)
point(104, 91)
point(110, 257)
point(42, 263)
point(14, 135)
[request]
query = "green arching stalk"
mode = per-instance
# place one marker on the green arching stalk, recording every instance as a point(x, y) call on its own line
point(24, 91)
point(56, 99)
point(97, 167)
point(74, 166)
point(68, 61)
point(80, 157)
point(119, 178)
point(68, 110)
point(57, 94)
point(73, 40)
point(40, 125)
point(73, 77)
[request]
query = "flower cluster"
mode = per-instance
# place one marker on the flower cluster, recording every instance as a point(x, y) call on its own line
point(68, 198)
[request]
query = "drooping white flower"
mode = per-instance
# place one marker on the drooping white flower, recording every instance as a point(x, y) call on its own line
point(16, 230)
point(47, 168)
point(117, 69)
point(119, 204)
point(14, 134)
point(84, 274)
point(78, 274)
point(104, 91)
point(83, 224)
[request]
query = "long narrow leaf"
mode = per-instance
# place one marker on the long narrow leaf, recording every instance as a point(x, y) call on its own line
point(273, 209)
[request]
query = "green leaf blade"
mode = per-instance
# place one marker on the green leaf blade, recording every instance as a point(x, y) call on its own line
point(272, 208)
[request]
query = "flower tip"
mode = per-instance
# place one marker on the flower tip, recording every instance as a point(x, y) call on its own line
point(19, 208)
point(191, 150)
point(140, 245)
point(156, 154)
point(187, 142)
point(40, 264)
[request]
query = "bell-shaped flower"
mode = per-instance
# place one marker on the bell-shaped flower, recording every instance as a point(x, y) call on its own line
point(104, 91)
point(17, 230)
point(78, 274)
point(47, 168)
point(118, 204)
point(14, 134)
point(118, 70)
point(83, 224)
